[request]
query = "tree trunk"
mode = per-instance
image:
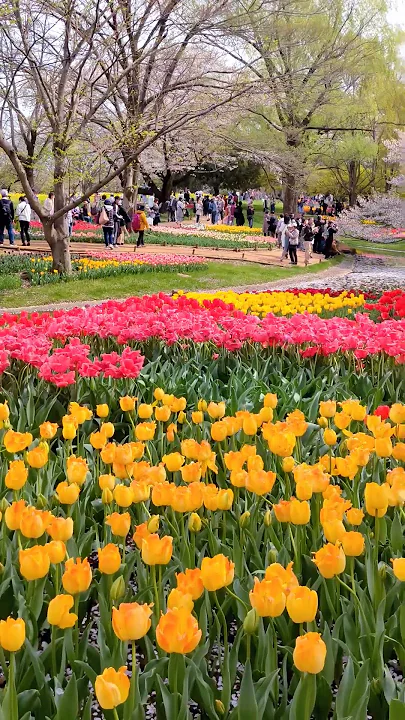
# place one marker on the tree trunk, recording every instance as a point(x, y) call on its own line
point(58, 240)
point(352, 182)
point(290, 194)
point(129, 182)
point(167, 186)
point(216, 188)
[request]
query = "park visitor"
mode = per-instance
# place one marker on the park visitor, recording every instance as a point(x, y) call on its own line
point(180, 210)
point(318, 236)
point(198, 210)
point(282, 231)
point(139, 225)
point(250, 213)
point(292, 236)
point(49, 204)
point(239, 215)
point(307, 237)
point(106, 220)
point(6, 217)
point(23, 212)
point(331, 230)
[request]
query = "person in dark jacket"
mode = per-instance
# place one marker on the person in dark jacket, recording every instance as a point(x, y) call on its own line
point(330, 232)
point(239, 215)
point(6, 217)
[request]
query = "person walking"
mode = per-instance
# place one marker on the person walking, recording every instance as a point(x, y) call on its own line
point(106, 220)
point(23, 212)
point(272, 225)
point(139, 225)
point(319, 226)
point(214, 211)
point(6, 217)
point(239, 215)
point(265, 226)
point(279, 231)
point(172, 208)
point(307, 237)
point(292, 234)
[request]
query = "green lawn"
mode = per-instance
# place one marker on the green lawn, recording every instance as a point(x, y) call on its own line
point(396, 249)
point(214, 275)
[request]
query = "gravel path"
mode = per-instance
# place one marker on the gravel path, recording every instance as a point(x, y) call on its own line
point(373, 274)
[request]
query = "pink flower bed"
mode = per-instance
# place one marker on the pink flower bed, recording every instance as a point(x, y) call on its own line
point(147, 258)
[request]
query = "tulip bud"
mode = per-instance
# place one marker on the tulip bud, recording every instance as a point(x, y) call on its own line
point(322, 422)
point(220, 707)
point(251, 622)
point(107, 496)
point(202, 405)
point(244, 519)
point(272, 556)
point(267, 518)
point(42, 502)
point(194, 523)
point(117, 589)
point(6, 424)
point(1, 568)
point(4, 505)
point(382, 571)
point(153, 523)
point(181, 417)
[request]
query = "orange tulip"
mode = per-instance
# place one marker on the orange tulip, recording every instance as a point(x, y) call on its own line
point(112, 686)
point(353, 544)
point(56, 550)
point(178, 632)
point(268, 597)
point(34, 562)
point(156, 550)
point(119, 523)
point(217, 572)
point(190, 582)
point(310, 653)
point(131, 621)
point(109, 559)
point(58, 612)
point(286, 575)
point(12, 634)
point(330, 560)
point(302, 604)
point(16, 475)
point(15, 442)
point(77, 576)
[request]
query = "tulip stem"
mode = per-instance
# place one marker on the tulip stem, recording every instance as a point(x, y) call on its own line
point(11, 690)
point(353, 592)
point(248, 639)
point(53, 650)
point(76, 632)
point(155, 591)
point(376, 539)
point(237, 598)
point(115, 714)
point(3, 663)
point(133, 677)
point(224, 629)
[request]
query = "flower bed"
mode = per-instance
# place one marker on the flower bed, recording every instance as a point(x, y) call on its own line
point(158, 324)
point(390, 305)
point(283, 303)
point(104, 264)
point(170, 553)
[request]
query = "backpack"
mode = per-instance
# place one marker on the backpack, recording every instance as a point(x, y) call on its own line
point(5, 206)
point(103, 217)
point(136, 222)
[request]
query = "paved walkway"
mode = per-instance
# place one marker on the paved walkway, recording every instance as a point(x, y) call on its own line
point(264, 256)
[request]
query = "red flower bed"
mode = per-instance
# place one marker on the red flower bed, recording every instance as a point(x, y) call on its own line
point(390, 305)
point(32, 338)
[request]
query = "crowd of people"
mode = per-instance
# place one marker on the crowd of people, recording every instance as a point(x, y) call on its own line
point(291, 232)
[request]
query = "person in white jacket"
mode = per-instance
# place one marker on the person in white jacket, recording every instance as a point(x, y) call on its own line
point(23, 212)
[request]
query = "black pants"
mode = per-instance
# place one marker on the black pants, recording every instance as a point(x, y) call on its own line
point(292, 249)
point(328, 247)
point(317, 243)
point(25, 237)
point(140, 241)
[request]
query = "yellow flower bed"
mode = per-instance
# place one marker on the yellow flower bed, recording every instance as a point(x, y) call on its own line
point(234, 229)
point(282, 303)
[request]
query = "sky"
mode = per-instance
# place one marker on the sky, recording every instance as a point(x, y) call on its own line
point(396, 16)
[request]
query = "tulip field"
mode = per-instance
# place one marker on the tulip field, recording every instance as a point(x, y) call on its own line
point(202, 509)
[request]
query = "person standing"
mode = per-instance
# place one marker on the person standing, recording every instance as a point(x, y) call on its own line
point(266, 219)
point(198, 210)
point(239, 215)
point(250, 213)
point(180, 210)
point(284, 238)
point(330, 232)
point(318, 234)
point(172, 208)
point(106, 220)
point(272, 225)
point(23, 212)
point(6, 217)
point(292, 234)
point(49, 204)
point(307, 236)
point(214, 211)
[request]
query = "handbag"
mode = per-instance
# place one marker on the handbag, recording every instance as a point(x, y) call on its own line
point(103, 218)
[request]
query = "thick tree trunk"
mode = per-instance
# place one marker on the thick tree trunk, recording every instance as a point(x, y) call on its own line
point(290, 193)
point(58, 240)
point(129, 183)
point(167, 187)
